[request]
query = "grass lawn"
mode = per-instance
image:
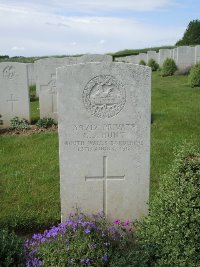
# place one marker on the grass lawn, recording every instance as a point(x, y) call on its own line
point(29, 167)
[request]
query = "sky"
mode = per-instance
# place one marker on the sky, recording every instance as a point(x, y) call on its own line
point(67, 27)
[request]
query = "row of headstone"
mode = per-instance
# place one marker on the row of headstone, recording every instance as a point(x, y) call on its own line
point(184, 56)
point(15, 79)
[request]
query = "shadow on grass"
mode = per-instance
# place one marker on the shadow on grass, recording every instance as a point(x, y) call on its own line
point(156, 116)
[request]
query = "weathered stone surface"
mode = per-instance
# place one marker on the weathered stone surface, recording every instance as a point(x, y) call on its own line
point(104, 138)
point(14, 93)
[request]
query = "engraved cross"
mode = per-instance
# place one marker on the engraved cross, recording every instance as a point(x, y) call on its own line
point(104, 179)
point(12, 100)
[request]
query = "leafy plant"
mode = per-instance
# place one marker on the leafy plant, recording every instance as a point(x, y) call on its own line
point(153, 64)
point(45, 122)
point(170, 235)
point(11, 249)
point(80, 241)
point(169, 67)
point(194, 76)
point(142, 62)
point(16, 123)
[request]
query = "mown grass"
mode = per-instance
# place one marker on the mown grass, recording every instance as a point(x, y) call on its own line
point(29, 166)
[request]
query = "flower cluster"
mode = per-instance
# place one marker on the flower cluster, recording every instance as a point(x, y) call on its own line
point(79, 241)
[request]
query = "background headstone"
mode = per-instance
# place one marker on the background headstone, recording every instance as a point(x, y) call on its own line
point(163, 55)
point(152, 55)
point(46, 84)
point(104, 138)
point(94, 58)
point(197, 54)
point(31, 74)
point(14, 92)
point(185, 57)
point(142, 56)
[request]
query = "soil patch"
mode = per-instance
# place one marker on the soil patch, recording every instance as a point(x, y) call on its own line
point(33, 130)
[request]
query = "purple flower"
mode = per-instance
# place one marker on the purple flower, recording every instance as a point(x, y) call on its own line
point(87, 231)
point(82, 261)
point(117, 222)
point(87, 261)
point(105, 258)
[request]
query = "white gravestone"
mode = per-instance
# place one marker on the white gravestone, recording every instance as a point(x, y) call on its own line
point(31, 74)
point(104, 138)
point(142, 56)
point(46, 84)
point(152, 55)
point(197, 54)
point(185, 57)
point(163, 55)
point(14, 93)
point(94, 58)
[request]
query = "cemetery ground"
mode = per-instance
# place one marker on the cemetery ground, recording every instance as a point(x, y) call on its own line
point(29, 167)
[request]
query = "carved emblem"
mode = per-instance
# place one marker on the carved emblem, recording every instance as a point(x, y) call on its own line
point(9, 72)
point(104, 96)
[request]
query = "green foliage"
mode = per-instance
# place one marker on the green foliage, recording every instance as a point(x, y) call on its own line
point(17, 124)
point(1, 121)
point(169, 67)
point(170, 235)
point(4, 57)
point(32, 93)
point(129, 52)
point(11, 249)
point(191, 35)
point(142, 62)
point(153, 64)
point(79, 241)
point(194, 76)
point(45, 123)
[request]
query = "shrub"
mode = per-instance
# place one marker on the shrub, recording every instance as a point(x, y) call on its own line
point(80, 241)
point(194, 76)
point(153, 64)
point(170, 235)
point(142, 62)
point(11, 249)
point(169, 67)
point(45, 123)
point(16, 123)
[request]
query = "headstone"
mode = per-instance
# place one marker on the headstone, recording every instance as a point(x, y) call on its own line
point(31, 74)
point(197, 54)
point(94, 58)
point(142, 56)
point(185, 57)
point(46, 84)
point(104, 138)
point(14, 93)
point(163, 55)
point(152, 55)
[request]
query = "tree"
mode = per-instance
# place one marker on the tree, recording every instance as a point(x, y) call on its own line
point(192, 34)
